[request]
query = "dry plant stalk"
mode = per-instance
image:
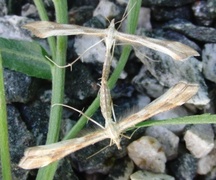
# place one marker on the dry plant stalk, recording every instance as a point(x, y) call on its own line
point(39, 156)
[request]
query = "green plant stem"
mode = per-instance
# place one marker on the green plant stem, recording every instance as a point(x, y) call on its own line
point(4, 143)
point(58, 74)
point(82, 121)
point(195, 119)
point(48, 172)
point(95, 104)
point(131, 27)
point(44, 17)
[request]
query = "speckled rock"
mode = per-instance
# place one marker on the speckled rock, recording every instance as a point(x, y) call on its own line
point(202, 13)
point(169, 13)
point(65, 171)
point(121, 170)
point(184, 167)
point(10, 27)
point(20, 139)
point(211, 5)
point(169, 72)
point(99, 162)
point(19, 87)
point(144, 82)
point(209, 61)
point(199, 33)
point(77, 86)
point(199, 139)
point(3, 8)
point(147, 153)
point(36, 117)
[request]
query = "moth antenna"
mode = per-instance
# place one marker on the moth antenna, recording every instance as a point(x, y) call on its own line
point(97, 152)
point(77, 110)
point(80, 57)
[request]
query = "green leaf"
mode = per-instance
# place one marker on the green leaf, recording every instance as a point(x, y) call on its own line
point(195, 119)
point(26, 57)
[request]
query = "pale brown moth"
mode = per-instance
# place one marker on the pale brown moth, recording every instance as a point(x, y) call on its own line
point(112, 129)
point(39, 156)
point(176, 50)
point(106, 104)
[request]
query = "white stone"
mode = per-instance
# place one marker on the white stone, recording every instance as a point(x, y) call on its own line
point(144, 20)
point(89, 50)
point(122, 2)
point(206, 163)
point(28, 10)
point(147, 153)
point(199, 139)
point(168, 140)
point(145, 175)
point(143, 100)
point(209, 61)
point(3, 8)
point(107, 9)
point(10, 27)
